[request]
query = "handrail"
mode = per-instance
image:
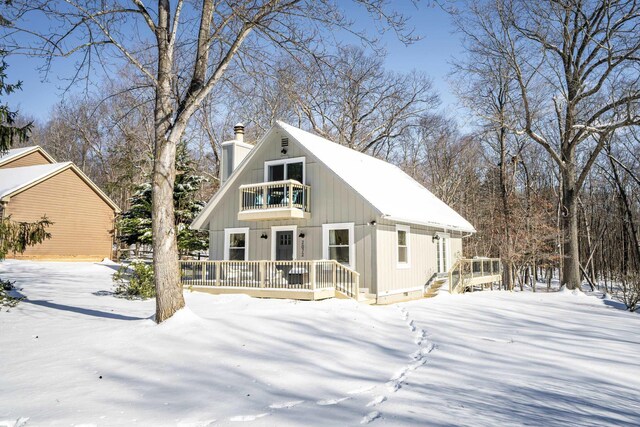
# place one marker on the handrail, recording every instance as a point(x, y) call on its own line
point(275, 194)
point(309, 275)
point(282, 182)
point(466, 269)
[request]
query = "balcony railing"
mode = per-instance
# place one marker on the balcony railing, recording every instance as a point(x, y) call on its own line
point(274, 200)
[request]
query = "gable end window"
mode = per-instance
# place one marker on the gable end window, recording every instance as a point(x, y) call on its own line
point(236, 244)
point(403, 243)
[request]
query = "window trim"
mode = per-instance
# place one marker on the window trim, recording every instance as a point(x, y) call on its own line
point(227, 240)
point(352, 241)
point(285, 162)
point(407, 230)
point(277, 228)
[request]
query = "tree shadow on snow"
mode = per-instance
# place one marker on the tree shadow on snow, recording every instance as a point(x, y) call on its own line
point(85, 311)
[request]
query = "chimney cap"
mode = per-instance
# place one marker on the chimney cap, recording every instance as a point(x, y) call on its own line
point(238, 125)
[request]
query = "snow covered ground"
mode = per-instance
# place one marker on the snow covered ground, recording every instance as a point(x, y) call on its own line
point(73, 355)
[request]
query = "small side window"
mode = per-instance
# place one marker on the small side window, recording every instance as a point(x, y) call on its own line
point(403, 246)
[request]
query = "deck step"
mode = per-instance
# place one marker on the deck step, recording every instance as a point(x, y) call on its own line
point(367, 298)
point(435, 287)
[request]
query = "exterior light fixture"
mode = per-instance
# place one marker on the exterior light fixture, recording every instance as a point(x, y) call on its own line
point(264, 236)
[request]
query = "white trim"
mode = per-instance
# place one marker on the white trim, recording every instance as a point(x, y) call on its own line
point(399, 291)
point(302, 160)
point(352, 241)
point(407, 230)
point(228, 232)
point(17, 153)
point(429, 224)
point(277, 228)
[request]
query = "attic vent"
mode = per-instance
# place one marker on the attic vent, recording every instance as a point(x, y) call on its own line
point(284, 142)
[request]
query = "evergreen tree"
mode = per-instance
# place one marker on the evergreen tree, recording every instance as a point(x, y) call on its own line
point(134, 226)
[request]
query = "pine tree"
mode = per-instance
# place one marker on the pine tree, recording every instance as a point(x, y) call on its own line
point(9, 132)
point(134, 226)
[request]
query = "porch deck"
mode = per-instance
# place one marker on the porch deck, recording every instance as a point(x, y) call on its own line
point(467, 274)
point(303, 280)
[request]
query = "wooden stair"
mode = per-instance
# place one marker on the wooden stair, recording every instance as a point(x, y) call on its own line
point(435, 286)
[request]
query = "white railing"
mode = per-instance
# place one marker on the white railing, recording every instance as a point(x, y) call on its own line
point(275, 195)
point(467, 272)
point(277, 275)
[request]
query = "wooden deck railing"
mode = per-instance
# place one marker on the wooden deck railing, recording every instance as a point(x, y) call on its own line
point(276, 275)
point(275, 195)
point(466, 273)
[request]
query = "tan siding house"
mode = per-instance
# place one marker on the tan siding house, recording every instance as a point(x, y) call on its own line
point(82, 215)
point(297, 196)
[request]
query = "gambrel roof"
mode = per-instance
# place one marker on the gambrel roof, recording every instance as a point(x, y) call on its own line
point(393, 193)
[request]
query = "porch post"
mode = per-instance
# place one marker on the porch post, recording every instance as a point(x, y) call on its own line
point(262, 273)
point(216, 269)
point(312, 276)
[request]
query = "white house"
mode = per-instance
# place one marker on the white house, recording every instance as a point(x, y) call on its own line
point(295, 206)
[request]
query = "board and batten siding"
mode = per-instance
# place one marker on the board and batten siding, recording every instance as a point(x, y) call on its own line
point(332, 201)
point(394, 280)
point(82, 221)
point(31, 159)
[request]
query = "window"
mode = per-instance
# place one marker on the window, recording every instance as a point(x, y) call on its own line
point(236, 244)
point(338, 243)
point(403, 235)
point(280, 170)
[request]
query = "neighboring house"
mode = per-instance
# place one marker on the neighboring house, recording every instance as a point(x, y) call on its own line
point(297, 196)
point(32, 185)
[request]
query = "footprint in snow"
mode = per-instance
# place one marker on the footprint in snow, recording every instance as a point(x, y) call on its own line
point(378, 400)
point(196, 423)
point(284, 405)
point(362, 390)
point(370, 417)
point(327, 402)
point(20, 422)
point(248, 417)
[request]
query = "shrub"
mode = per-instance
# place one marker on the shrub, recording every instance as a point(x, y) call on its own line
point(6, 299)
point(135, 281)
point(629, 291)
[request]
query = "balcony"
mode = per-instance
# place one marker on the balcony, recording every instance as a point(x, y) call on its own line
point(274, 201)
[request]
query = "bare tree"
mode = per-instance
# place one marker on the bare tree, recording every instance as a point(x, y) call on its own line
point(183, 56)
point(576, 67)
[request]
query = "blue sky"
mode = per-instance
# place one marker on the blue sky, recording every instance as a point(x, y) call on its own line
point(432, 55)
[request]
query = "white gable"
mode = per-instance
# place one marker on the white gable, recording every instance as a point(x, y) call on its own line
point(388, 189)
point(391, 191)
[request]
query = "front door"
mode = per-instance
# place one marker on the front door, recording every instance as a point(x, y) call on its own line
point(284, 245)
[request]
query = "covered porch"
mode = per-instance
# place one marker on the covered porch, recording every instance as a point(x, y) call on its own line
point(302, 280)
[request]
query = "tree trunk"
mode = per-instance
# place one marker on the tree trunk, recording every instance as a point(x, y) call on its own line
point(571, 247)
point(166, 271)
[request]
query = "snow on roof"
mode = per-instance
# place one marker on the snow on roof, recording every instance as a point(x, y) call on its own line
point(14, 179)
point(14, 152)
point(395, 194)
